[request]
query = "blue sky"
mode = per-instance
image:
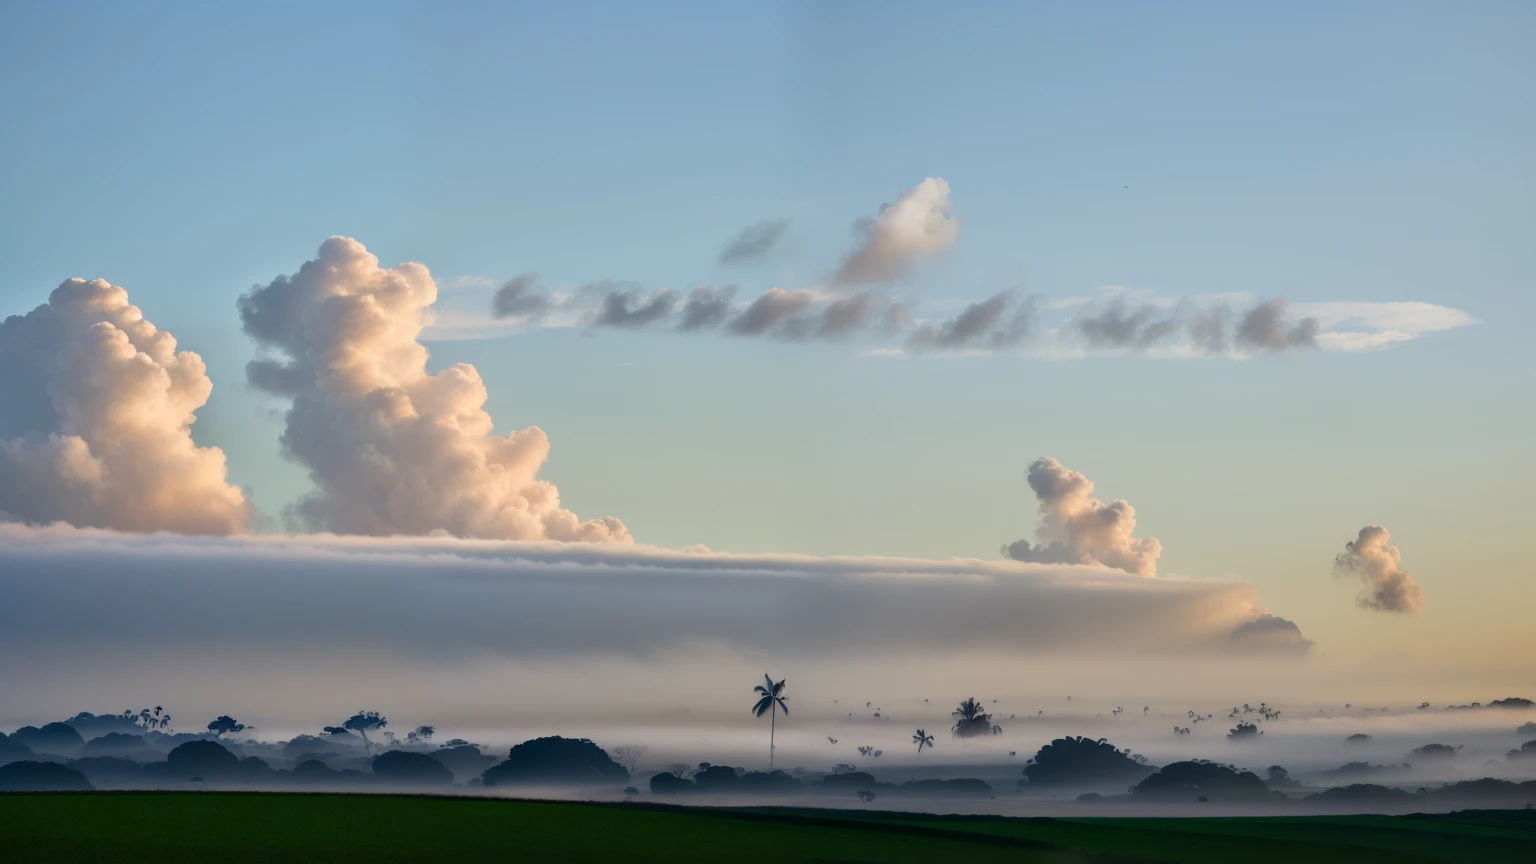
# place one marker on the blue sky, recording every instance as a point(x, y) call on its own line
point(1317, 152)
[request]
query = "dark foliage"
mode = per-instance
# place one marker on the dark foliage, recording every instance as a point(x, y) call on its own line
point(314, 771)
point(1075, 760)
point(203, 758)
point(464, 760)
point(95, 725)
point(1365, 769)
point(1486, 791)
point(114, 744)
point(971, 720)
point(12, 750)
point(316, 745)
point(57, 738)
point(1525, 751)
point(1244, 732)
point(1187, 780)
point(1432, 753)
point(1277, 777)
point(1512, 702)
point(417, 769)
point(1357, 738)
point(1361, 792)
point(29, 776)
point(667, 783)
point(557, 761)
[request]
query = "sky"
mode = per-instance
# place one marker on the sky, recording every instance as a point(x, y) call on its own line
point(1184, 156)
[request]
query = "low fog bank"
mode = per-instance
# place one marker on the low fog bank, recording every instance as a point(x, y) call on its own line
point(968, 758)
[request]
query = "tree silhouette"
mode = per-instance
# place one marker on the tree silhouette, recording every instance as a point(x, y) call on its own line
point(629, 755)
point(922, 739)
point(970, 720)
point(361, 722)
point(225, 724)
point(421, 734)
point(769, 704)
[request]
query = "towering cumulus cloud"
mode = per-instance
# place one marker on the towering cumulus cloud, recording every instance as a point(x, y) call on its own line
point(96, 410)
point(1386, 586)
point(1076, 528)
point(917, 226)
point(391, 448)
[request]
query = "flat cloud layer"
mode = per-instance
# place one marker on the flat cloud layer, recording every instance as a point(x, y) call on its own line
point(451, 599)
point(96, 410)
point(564, 635)
point(392, 449)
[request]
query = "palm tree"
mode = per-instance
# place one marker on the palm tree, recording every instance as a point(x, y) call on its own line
point(771, 702)
point(922, 739)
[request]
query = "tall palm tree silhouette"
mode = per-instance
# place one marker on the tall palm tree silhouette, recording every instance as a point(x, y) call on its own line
point(770, 704)
point(922, 739)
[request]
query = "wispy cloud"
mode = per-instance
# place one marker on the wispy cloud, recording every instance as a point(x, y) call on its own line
point(754, 242)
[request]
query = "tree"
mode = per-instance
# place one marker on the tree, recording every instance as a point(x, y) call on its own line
point(629, 755)
point(361, 722)
point(970, 720)
point(769, 704)
point(922, 739)
point(225, 725)
point(420, 735)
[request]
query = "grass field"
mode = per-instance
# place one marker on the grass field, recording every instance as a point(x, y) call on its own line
point(174, 827)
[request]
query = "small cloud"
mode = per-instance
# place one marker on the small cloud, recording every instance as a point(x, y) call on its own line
point(1378, 564)
point(1076, 528)
point(754, 242)
point(519, 297)
point(917, 226)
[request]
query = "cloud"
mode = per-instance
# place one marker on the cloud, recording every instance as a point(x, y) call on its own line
point(1363, 326)
point(706, 308)
point(390, 448)
point(1076, 528)
point(772, 307)
point(1271, 633)
point(754, 242)
point(1117, 324)
point(1378, 564)
point(994, 324)
point(96, 414)
point(518, 298)
point(917, 226)
point(633, 309)
point(449, 599)
point(1264, 328)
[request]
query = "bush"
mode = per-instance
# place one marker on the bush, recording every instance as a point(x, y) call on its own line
point(202, 758)
point(418, 769)
point(28, 776)
point(1084, 762)
point(58, 738)
point(1189, 779)
point(557, 761)
point(670, 784)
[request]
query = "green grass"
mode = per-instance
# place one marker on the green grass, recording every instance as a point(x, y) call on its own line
point(377, 829)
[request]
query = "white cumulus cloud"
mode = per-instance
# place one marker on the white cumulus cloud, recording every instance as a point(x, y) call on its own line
point(392, 449)
point(1077, 528)
point(96, 414)
point(919, 225)
point(1385, 585)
